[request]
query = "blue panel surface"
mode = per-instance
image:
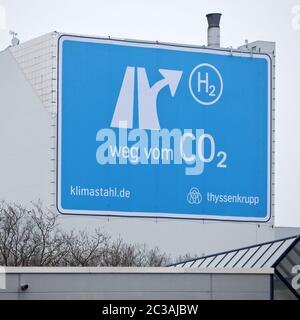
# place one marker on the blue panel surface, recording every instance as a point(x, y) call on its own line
point(162, 131)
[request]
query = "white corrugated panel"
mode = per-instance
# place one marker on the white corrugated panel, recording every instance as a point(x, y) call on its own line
point(279, 252)
point(271, 252)
point(206, 262)
point(188, 264)
point(239, 255)
point(38, 61)
point(226, 259)
point(262, 249)
point(217, 260)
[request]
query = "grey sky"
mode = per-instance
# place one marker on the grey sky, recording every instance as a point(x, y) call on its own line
point(184, 22)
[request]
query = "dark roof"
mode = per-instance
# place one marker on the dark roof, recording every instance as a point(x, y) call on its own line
point(263, 255)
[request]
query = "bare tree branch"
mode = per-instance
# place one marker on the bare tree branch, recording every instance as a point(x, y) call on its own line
point(32, 237)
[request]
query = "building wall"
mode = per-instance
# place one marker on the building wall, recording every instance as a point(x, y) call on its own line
point(135, 284)
point(284, 232)
point(24, 137)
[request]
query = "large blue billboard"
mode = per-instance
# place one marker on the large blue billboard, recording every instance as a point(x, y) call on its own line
point(157, 130)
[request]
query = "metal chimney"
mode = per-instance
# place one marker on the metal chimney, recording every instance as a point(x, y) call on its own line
point(213, 31)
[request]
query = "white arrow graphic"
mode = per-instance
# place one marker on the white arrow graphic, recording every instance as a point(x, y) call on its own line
point(147, 98)
point(123, 115)
point(147, 95)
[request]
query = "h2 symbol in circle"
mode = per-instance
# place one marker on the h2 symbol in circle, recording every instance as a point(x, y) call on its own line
point(206, 84)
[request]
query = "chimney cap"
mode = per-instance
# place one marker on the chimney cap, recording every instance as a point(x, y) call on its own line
point(213, 20)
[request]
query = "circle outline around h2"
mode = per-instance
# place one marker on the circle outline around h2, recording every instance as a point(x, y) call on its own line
point(221, 84)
